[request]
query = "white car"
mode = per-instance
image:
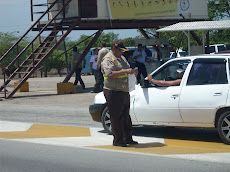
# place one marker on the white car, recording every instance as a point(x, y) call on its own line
point(201, 100)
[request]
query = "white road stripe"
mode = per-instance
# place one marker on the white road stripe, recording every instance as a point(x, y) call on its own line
point(8, 126)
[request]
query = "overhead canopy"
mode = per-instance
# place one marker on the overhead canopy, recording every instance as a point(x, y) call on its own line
point(198, 25)
point(204, 26)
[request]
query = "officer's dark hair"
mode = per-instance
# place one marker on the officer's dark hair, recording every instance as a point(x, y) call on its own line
point(103, 44)
point(139, 45)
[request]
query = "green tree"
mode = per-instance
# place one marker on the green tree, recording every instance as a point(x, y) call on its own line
point(218, 9)
point(56, 61)
point(129, 42)
point(108, 38)
point(7, 40)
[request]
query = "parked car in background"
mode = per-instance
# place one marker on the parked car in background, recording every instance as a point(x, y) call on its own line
point(201, 100)
point(227, 49)
point(178, 53)
point(215, 48)
point(224, 52)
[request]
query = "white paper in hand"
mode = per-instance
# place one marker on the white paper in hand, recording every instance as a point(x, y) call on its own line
point(132, 82)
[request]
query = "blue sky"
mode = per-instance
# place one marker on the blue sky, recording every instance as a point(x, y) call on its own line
point(15, 17)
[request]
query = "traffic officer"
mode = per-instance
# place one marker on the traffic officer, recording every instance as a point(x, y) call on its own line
point(115, 69)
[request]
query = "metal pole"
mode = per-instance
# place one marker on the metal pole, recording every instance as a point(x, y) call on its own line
point(207, 42)
point(144, 33)
point(4, 77)
point(189, 48)
point(31, 10)
point(203, 37)
point(66, 56)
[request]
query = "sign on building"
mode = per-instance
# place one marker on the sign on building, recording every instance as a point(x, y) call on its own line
point(134, 9)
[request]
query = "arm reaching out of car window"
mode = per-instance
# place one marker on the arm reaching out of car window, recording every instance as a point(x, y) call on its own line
point(163, 83)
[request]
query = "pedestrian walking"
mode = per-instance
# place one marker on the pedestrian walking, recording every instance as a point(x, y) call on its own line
point(75, 57)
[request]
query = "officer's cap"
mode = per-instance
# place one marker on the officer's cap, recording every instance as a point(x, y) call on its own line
point(120, 44)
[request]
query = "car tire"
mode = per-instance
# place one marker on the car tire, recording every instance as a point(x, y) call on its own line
point(224, 127)
point(105, 120)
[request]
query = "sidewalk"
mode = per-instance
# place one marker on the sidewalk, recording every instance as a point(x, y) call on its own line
point(43, 105)
point(47, 86)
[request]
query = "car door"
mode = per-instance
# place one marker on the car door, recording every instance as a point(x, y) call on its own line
point(206, 90)
point(156, 104)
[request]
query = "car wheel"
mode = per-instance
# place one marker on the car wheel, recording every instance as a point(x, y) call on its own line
point(105, 119)
point(224, 127)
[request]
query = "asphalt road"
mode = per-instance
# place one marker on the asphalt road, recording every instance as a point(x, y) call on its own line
point(42, 105)
point(26, 157)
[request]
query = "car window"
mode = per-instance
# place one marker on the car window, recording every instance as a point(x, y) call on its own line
point(212, 49)
point(221, 48)
point(169, 71)
point(208, 73)
point(227, 46)
point(183, 54)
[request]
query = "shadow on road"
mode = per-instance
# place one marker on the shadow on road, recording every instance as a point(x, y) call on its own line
point(179, 133)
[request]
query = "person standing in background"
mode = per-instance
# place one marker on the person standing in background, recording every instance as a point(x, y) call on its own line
point(140, 57)
point(148, 54)
point(98, 87)
point(76, 56)
point(93, 63)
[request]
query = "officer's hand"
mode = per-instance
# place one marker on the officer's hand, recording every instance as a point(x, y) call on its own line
point(136, 71)
point(130, 71)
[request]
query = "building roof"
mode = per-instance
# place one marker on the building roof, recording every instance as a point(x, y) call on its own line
point(197, 25)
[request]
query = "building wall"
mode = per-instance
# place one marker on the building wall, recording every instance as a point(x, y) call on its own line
point(199, 11)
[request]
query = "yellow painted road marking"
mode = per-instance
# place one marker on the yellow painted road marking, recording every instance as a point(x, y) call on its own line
point(172, 146)
point(47, 131)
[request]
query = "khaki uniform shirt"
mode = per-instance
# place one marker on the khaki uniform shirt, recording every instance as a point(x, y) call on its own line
point(109, 64)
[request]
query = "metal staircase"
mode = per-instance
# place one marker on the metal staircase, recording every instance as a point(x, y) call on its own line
point(40, 47)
